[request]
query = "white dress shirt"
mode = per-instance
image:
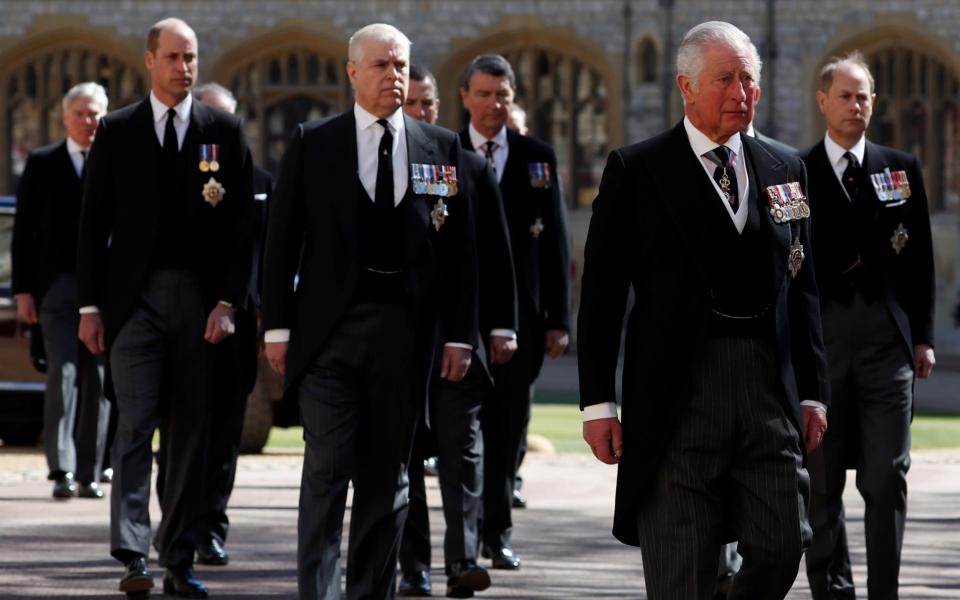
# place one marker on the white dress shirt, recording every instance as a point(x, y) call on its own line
point(369, 134)
point(76, 152)
point(500, 149)
point(700, 145)
point(835, 154)
point(180, 123)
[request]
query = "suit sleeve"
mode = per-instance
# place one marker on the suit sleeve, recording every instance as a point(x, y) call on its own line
point(555, 263)
point(498, 282)
point(237, 282)
point(23, 249)
point(96, 221)
point(285, 232)
point(458, 266)
point(919, 294)
point(807, 351)
point(603, 289)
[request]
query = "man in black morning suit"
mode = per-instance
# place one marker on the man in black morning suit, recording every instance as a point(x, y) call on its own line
point(874, 260)
point(44, 257)
point(164, 254)
point(722, 345)
point(368, 212)
point(527, 173)
point(454, 408)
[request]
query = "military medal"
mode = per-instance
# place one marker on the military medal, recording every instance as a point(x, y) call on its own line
point(537, 228)
point(214, 155)
point(899, 239)
point(213, 192)
point(787, 202)
point(204, 157)
point(539, 174)
point(416, 179)
point(439, 214)
point(452, 185)
point(796, 257)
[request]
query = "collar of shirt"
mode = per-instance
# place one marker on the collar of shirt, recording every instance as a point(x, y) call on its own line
point(180, 123)
point(501, 151)
point(835, 154)
point(369, 134)
point(75, 151)
point(700, 144)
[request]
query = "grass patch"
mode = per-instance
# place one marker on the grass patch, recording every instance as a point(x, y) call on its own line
point(560, 422)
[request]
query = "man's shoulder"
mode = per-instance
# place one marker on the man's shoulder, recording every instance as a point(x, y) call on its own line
point(646, 149)
point(886, 155)
point(532, 148)
point(813, 152)
point(326, 125)
point(473, 162)
point(770, 154)
point(434, 131)
point(44, 152)
point(123, 115)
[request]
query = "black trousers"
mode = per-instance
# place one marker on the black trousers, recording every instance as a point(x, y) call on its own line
point(871, 379)
point(505, 416)
point(734, 464)
point(159, 363)
point(359, 401)
point(234, 369)
point(455, 425)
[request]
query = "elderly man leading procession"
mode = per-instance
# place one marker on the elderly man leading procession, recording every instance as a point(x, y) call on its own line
point(407, 282)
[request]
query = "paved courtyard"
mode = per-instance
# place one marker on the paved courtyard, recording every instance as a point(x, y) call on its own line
point(51, 549)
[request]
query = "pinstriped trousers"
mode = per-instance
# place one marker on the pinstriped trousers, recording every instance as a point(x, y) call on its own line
point(734, 467)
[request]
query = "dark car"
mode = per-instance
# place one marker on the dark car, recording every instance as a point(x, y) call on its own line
point(21, 381)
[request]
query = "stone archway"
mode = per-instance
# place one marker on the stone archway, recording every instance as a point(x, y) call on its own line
point(282, 78)
point(37, 72)
point(569, 88)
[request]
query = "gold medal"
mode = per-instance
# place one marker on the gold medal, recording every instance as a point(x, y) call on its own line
point(214, 166)
point(204, 166)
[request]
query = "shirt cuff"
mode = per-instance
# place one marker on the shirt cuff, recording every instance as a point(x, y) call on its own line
point(458, 345)
point(820, 406)
point(89, 310)
point(604, 410)
point(507, 333)
point(272, 336)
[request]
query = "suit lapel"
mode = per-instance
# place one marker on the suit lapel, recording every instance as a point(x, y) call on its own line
point(148, 182)
point(764, 170)
point(421, 149)
point(200, 119)
point(337, 164)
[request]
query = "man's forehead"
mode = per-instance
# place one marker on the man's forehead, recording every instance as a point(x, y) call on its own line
point(177, 36)
point(723, 56)
point(850, 78)
point(486, 80)
point(385, 49)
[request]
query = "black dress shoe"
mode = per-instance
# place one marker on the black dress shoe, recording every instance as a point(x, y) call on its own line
point(503, 557)
point(466, 577)
point(519, 500)
point(64, 486)
point(181, 582)
point(90, 490)
point(416, 584)
point(137, 578)
point(211, 552)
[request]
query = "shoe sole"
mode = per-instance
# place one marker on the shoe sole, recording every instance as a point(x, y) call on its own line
point(137, 584)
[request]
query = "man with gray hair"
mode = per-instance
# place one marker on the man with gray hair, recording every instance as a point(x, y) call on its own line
point(724, 379)
point(45, 288)
point(370, 213)
point(874, 258)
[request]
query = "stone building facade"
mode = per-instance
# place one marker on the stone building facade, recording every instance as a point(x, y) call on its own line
point(593, 74)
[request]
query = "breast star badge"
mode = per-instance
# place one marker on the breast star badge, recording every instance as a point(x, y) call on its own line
point(796, 257)
point(537, 228)
point(439, 214)
point(899, 239)
point(213, 192)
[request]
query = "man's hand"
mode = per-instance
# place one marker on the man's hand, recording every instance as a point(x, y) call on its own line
point(556, 342)
point(91, 333)
point(219, 324)
point(605, 438)
point(26, 308)
point(502, 349)
point(923, 360)
point(454, 364)
point(814, 426)
point(277, 356)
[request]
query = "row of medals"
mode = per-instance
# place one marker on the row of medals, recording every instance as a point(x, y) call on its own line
point(209, 166)
point(434, 188)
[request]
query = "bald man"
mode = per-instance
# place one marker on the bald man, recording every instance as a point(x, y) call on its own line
point(164, 255)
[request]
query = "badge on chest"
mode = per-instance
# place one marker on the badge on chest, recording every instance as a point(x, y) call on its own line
point(787, 202)
point(892, 187)
point(434, 180)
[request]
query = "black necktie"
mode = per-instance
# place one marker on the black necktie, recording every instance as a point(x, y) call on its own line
point(488, 149)
point(83, 163)
point(724, 174)
point(170, 147)
point(384, 188)
point(851, 176)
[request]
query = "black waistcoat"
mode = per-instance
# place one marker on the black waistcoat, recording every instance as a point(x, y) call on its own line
point(740, 276)
point(382, 237)
point(173, 246)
